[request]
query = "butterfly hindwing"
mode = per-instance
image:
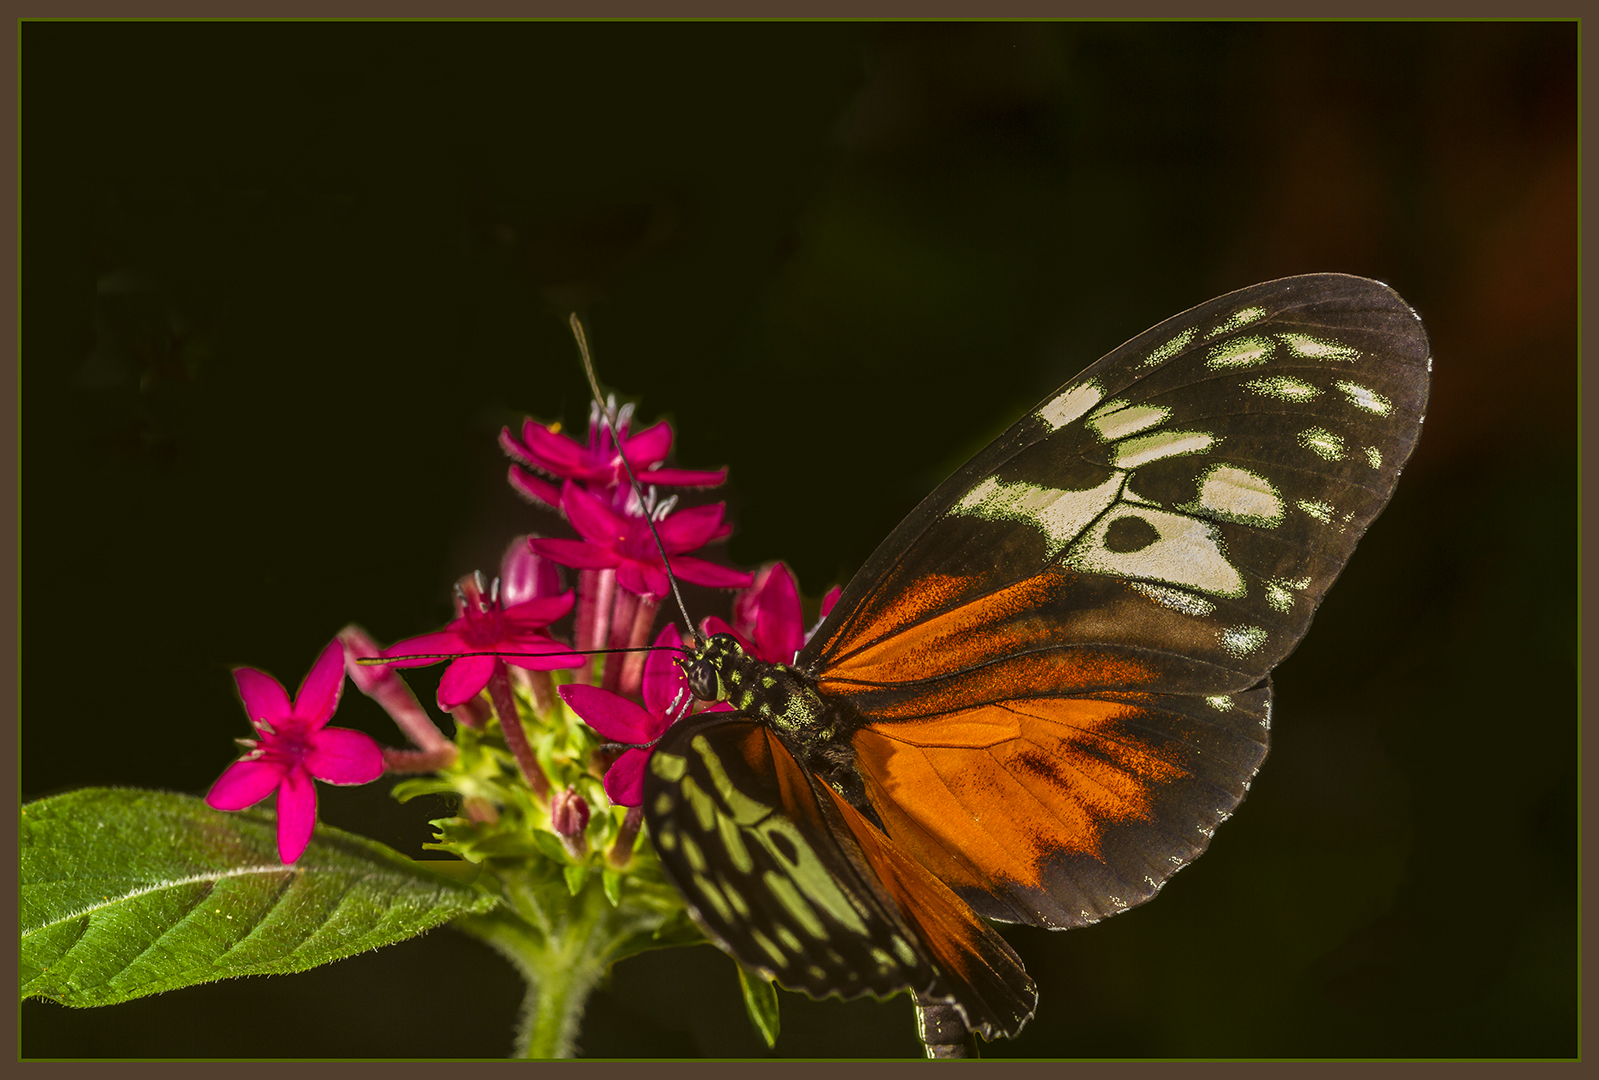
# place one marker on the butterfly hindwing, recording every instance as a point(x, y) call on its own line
point(793, 882)
point(1059, 811)
point(1060, 656)
point(739, 830)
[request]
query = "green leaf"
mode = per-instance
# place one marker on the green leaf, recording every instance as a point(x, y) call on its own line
point(611, 881)
point(406, 790)
point(760, 1001)
point(126, 893)
point(576, 876)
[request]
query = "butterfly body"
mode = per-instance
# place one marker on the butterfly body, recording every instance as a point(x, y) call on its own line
point(1048, 686)
point(815, 730)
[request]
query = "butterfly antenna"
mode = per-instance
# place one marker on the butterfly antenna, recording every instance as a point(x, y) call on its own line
point(638, 491)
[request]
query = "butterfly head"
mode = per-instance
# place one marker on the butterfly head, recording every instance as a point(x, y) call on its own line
point(709, 666)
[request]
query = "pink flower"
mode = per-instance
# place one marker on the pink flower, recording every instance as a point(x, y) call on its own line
point(295, 745)
point(767, 620)
point(485, 624)
point(598, 464)
point(666, 699)
point(623, 541)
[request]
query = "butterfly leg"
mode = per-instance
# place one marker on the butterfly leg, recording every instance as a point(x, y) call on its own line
point(943, 1030)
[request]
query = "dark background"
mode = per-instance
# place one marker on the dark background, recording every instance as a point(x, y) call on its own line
point(282, 284)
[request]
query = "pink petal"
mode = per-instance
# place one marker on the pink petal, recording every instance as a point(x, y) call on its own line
point(648, 448)
point(513, 447)
point(539, 654)
point(343, 756)
point(296, 814)
point(242, 784)
point(525, 574)
point(318, 697)
point(644, 579)
point(532, 488)
point(425, 649)
point(695, 478)
point(830, 599)
point(701, 572)
point(540, 611)
point(691, 528)
point(553, 452)
point(665, 686)
point(464, 680)
point(263, 696)
point(780, 624)
point(593, 520)
point(612, 715)
point(624, 780)
point(576, 553)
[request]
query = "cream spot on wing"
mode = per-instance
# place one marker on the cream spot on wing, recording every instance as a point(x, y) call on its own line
point(1319, 510)
point(1182, 551)
point(1165, 352)
point(1284, 388)
point(1250, 350)
point(1362, 397)
point(1237, 321)
point(1058, 513)
point(1119, 419)
point(1242, 640)
point(1131, 453)
point(1315, 348)
point(1070, 404)
point(1176, 599)
point(1323, 443)
point(1234, 494)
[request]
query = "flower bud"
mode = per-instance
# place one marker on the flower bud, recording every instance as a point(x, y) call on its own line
point(569, 816)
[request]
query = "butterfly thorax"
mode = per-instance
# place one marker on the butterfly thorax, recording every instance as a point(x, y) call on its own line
point(786, 700)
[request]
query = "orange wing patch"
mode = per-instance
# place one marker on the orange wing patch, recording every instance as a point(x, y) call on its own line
point(974, 963)
point(904, 606)
point(984, 797)
point(1077, 669)
point(906, 637)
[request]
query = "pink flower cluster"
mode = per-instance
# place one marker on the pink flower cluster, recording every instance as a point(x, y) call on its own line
point(504, 625)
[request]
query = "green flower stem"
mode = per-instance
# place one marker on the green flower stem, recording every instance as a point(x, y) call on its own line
point(563, 945)
point(561, 969)
point(621, 852)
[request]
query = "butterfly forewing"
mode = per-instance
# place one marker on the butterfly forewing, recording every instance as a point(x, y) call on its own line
point(1220, 466)
point(1060, 657)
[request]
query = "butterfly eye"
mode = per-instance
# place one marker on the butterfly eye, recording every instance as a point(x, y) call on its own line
point(703, 681)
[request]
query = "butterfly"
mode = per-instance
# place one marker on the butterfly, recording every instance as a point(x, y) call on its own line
point(1049, 684)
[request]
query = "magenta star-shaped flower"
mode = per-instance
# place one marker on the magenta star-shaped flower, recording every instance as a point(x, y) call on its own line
point(623, 542)
point(598, 464)
point(294, 745)
point(621, 720)
point(484, 624)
